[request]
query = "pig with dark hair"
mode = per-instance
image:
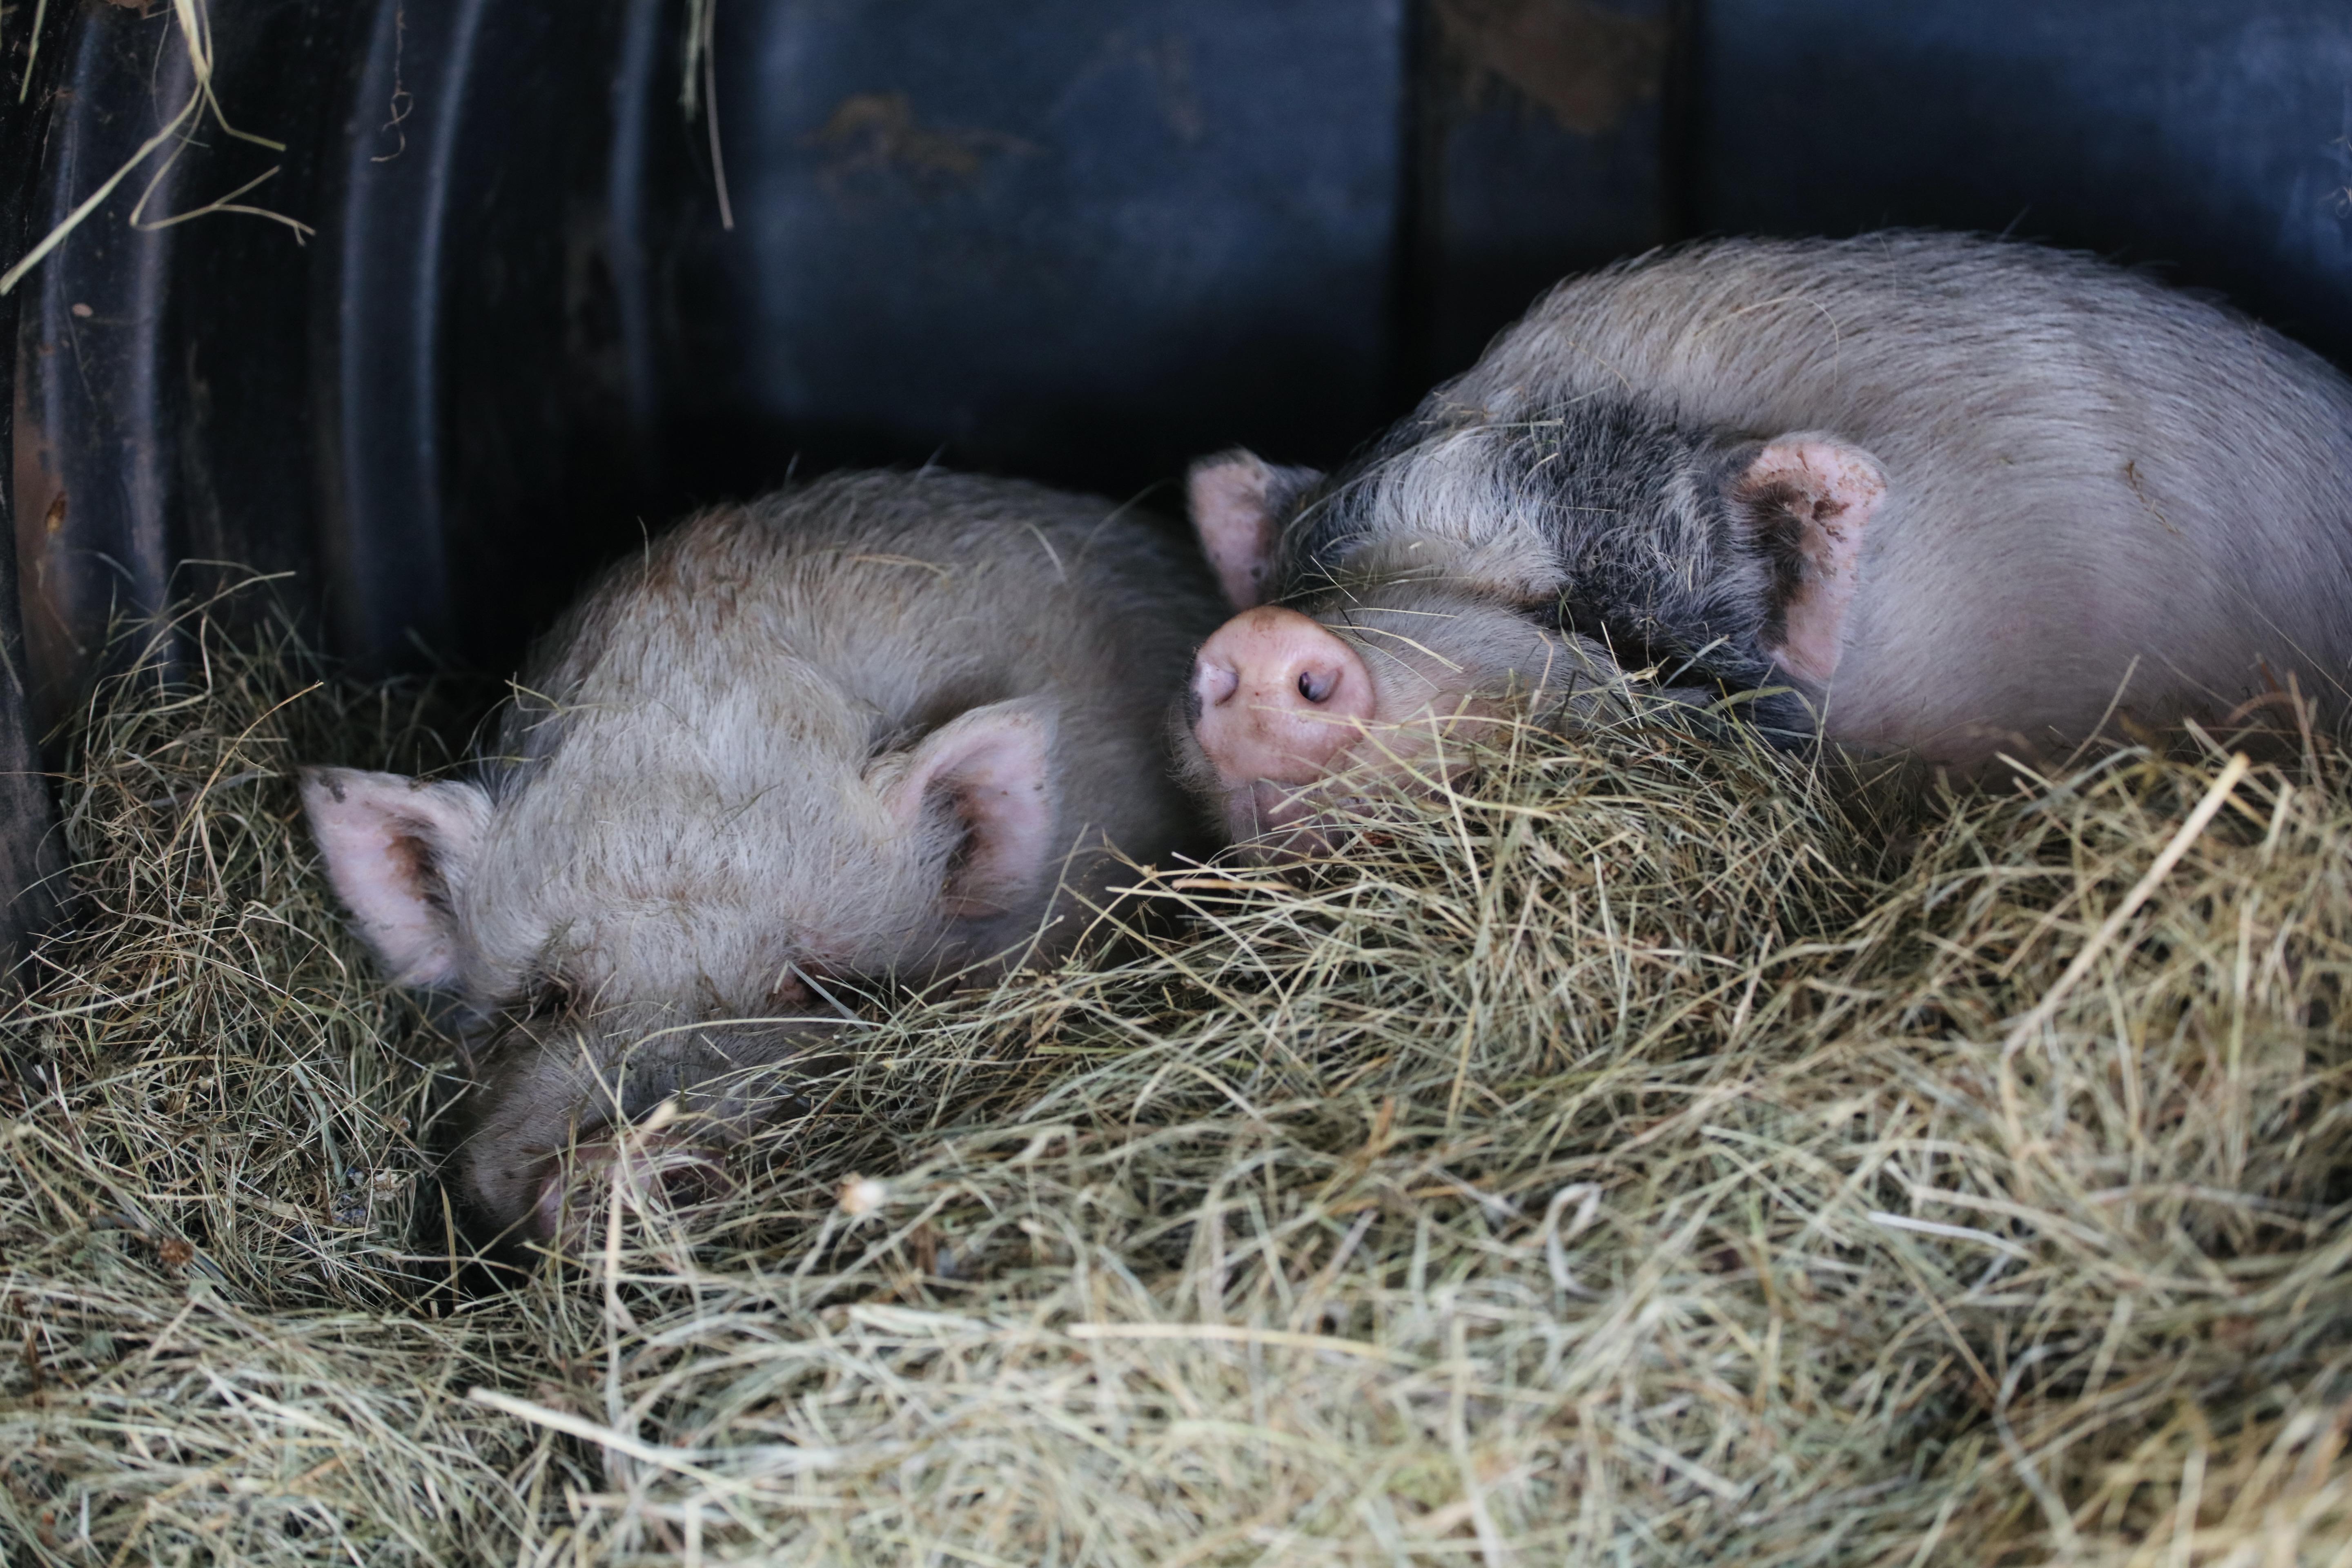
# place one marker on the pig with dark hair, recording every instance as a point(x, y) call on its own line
point(880, 726)
point(1919, 492)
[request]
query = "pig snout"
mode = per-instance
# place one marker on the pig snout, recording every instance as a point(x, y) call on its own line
point(1278, 698)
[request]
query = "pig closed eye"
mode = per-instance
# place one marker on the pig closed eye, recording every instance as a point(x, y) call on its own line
point(549, 998)
point(1545, 612)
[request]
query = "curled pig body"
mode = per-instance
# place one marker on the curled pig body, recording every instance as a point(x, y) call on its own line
point(1947, 495)
point(881, 726)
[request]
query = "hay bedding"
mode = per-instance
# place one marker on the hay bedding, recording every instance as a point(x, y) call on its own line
point(1627, 1159)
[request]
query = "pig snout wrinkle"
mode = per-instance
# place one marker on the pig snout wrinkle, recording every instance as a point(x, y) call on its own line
point(1278, 696)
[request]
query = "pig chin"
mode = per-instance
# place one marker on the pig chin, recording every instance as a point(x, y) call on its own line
point(1278, 822)
point(1274, 822)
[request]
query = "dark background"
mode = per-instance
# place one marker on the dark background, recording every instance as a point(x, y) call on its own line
point(1080, 240)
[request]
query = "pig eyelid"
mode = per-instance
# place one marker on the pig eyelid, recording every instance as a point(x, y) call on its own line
point(1551, 613)
point(545, 995)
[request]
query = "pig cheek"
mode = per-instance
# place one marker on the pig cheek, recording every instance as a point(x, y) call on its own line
point(1432, 727)
point(1262, 814)
point(1283, 823)
point(1289, 826)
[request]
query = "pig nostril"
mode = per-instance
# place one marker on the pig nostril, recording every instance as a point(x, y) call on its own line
point(1315, 685)
point(1215, 683)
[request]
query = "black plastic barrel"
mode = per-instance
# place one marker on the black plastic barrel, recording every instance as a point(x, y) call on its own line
point(565, 270)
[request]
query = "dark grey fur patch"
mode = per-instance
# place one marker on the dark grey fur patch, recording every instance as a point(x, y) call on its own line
point(1656, 559)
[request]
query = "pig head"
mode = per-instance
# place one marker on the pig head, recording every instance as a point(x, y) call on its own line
point(669, 867)
point(883, 729)
point(1544, 573)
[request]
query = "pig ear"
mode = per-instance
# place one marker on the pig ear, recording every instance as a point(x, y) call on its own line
point(1237, 500)
point(394, 847)
point(1807, 500)
point(990, 770)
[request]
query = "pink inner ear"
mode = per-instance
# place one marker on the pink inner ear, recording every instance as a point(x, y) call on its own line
point(387, 840)
point(1832, 490)
point(993, 765)
point(1231, 513)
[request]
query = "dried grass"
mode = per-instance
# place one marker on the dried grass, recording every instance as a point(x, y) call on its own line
point(1652, 1153)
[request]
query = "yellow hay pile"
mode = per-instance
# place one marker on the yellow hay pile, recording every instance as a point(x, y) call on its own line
point(1646, 1154)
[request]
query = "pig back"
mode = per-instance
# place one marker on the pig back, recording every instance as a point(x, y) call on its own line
point(2084, 469)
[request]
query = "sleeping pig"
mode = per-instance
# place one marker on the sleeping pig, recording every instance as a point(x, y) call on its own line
point(1917, 491)
point(877, 726)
